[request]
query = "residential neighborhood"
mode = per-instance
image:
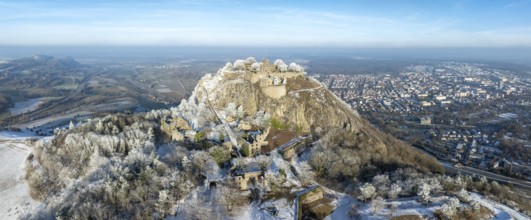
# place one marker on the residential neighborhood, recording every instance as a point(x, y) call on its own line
point(473, 114)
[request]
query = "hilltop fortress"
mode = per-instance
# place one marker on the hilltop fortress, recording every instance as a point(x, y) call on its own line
point(272, 78)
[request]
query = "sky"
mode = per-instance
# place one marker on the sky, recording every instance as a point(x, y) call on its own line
point(305, 23)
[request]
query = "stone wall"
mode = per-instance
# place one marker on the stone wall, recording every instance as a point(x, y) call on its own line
point(243, 181)
point(312, 196)
point(170, 128)
point(255, 77)
point(275, 92)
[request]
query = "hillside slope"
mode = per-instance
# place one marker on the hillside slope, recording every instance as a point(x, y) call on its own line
point(165, 162)
point(309, 107)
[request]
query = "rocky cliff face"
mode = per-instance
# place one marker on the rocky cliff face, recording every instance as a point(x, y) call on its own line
point(308, 106)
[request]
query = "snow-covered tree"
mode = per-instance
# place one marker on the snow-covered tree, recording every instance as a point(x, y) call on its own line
point(151, 133)
point(71, 126)
point(454, 202)
point(463, 195)
point(240, 112)
point(263, 161)
point(377, 204)
point(435, 185)
point(99, 126)
point(381, 183)
point(261, 118)
point(367, 191)
point(220, 154)
point(476, 206)
point(231, 109)
point(239, 65)
point(424, 193)
point(282, 68)
point(232, 199)
point(256, 66)
point(250, 60)
point(228, 67)
point(115, 130)
point(448, 211)
point(202, 161)
point(279, 62)
point(306, 174)
point(164, 204)
point(395, 190)
point(319, 160)
point(295, 67)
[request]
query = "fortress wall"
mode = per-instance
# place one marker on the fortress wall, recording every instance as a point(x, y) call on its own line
point(231, 75)
point(275, 92)
point(255, 77)
point(287, 74)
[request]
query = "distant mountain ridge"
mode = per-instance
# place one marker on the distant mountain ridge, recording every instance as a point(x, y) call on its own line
point(41, 60)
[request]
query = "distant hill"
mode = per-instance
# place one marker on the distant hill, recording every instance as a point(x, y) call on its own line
point(5, 102)
point(41, 61)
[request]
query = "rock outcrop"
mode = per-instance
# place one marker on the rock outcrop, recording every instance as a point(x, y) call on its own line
point(307, 106)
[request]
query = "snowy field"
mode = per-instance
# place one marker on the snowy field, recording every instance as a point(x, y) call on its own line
point(27, 106)
point(410, 206)
point(14, 195)
point(501, 211)
point(51, 119)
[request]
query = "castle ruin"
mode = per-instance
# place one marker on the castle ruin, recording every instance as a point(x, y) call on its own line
point(272, 78)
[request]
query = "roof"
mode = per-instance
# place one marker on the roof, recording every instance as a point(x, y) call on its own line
point(307, 190)
point(277, 138)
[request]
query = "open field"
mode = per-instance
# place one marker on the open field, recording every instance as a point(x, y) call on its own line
point(112, 87)
point(14, 196)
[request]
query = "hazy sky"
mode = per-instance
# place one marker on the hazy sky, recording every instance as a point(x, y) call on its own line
point(302, 23)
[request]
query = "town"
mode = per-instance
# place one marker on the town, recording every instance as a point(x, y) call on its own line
point(465, 113)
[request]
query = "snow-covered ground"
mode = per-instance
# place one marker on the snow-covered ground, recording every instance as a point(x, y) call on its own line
point(258, 212)
point(14, 195)
point(51, 119)
point(410, 206)
point(15, 135)
point(501, 211)
point(26, 106)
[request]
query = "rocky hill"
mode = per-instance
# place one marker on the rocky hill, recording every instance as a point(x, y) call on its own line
point(250, 135)
point(309, 107)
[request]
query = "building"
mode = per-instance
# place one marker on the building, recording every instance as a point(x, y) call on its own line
point(255, 141)
point(312, 200)
point(501, 82)
point(248, 177)
point(426, 120)
point(271, 79)
point(173, 128)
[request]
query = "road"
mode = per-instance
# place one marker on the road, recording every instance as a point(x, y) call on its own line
point(465, 170)
point(490, 176)
point(80, 88)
